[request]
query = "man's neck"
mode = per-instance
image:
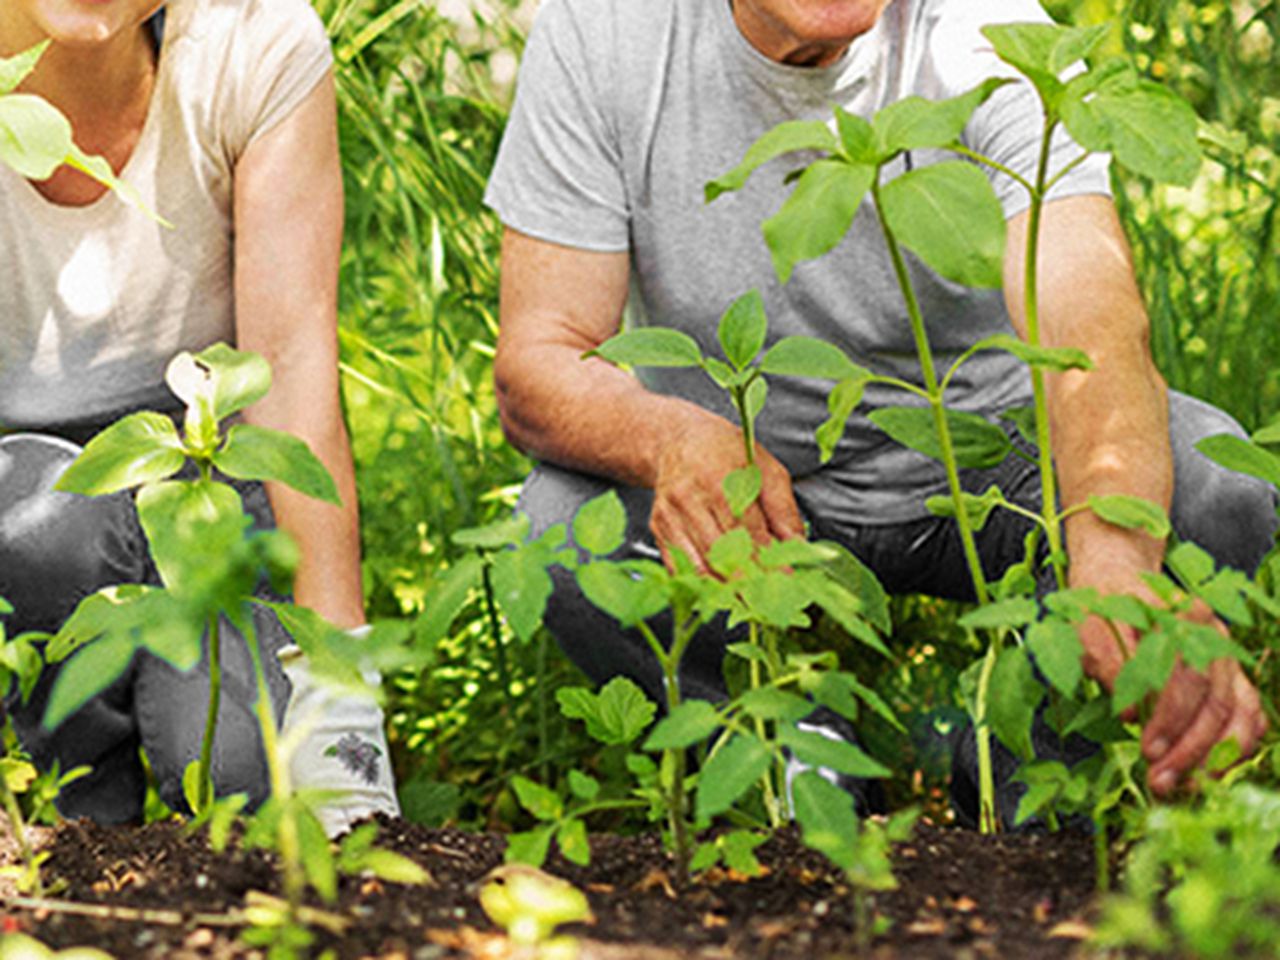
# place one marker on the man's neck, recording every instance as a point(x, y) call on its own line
point(775, 42)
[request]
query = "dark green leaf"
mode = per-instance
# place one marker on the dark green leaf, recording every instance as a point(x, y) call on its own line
point(818, 213)
point(1241, 456)
point(978, 443)
point(730, 772)
point(1057, 649)
point(818, 750)
point(137, 449)
point(582, 786)
point(690, 723)
point(914, 123)
point(770, 703)
point(827, 821)
point(787, 137)
point(429, 802)
point(858, 579)
point(600, 525)
point(1014, 695)
point(256, 453)
point(94, 668)
point(742, 329)
point(1132, 513)
point(741, 488)
point(543, 803)
point(650, 347)
point(1024, 418)
point(948, 215)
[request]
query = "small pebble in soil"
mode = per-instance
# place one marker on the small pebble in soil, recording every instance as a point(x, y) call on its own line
point(821, 908)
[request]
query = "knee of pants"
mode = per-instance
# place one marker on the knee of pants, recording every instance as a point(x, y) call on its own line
point(56, 548)
point(1229, 514)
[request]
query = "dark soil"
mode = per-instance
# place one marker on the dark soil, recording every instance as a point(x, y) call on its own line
point(961, 895)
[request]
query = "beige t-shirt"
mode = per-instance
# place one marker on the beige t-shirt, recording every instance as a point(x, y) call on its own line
point(95, 300)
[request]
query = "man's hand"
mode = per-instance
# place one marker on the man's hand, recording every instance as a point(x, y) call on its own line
point(690, 511)
point(1192, 714)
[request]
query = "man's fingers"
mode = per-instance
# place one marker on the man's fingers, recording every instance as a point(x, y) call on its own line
point(1176, 709)
point(778, 504)
point(1209, 722)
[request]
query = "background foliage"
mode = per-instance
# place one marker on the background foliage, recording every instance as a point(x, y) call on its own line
point(423, 94)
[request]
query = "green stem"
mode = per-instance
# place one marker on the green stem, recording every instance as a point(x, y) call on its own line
point(677, 801)
point(205, 770)
point(1101, 857)
point(495, 630)
point(544, 738)
point(778, 769)
point(288, 844)
point(748, 426)
point(987, 820)
point(1031, 309)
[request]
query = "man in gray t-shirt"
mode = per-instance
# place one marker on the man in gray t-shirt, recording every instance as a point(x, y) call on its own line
point(624, 111)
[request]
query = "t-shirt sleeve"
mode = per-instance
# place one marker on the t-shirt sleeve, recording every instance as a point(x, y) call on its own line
point(280, 51)
point(1009, 126)
point(558, 174)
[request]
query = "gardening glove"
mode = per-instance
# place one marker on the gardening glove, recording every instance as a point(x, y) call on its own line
point(341, 745)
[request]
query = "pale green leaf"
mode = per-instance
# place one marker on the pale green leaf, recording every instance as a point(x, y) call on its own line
point(600, 525)
point(789, 137)
point(1132, 513)
point(742, 329)
point(818, 750)
point(741, 488)
point(841, 401)
point(817, 215)
point(1240, 455)
point(15, 69)
point(35, 138)
point(1058, 651)
point(257, 453)
point(137, 449)
point(540, 801)
point(650, 347)
point(826, 817)
point(810, 357)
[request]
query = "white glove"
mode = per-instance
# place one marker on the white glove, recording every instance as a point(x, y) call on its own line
point(336, 742)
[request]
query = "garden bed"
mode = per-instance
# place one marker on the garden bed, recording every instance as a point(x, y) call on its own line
point(961, 895)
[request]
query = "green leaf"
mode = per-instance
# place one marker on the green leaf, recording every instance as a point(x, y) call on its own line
point(948, 215)
point(189, 523)
point(600, 525)
point(821, 751)
point(1015, 612)
point(756, 395)
point(1132, 513)
point(1147, 671)
point(237, 378)
point(841, 401)
point(256, 453)
point(976, 507)
point(730, 772)
point(94, 668)
point(741, 488)
point(1146, 127)
point(811, 357)
point(770, 703)
point(494, 536)
point(857, 138)
point(978, 443)
point(522, 586)
point(1191, 564)
point(787, 137)
point(582, 786)
point(429, 802)
point(572, 839)
point(840, 691)
point(1057, 649)
point(690, 723)
point(543, 803)
point(1015, 694)
point(627, 596)
point(1042, 51)
point(914, 123)
point(618, 714)
point(1048, 358)
point(793, 553)
point(317, 855)
point(817, 215)
point(739, 852)
point(15, 69)
point(650, 347)
point(137, 449)
point(449, 595)
point(742, 329)
point(1241, 456)
point(35, 137)
point(827, 820)
point(394, 868)
point(530, 847)
point(844, 604)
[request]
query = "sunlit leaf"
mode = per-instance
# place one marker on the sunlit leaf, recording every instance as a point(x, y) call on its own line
point(741, 488)
point(256, 453)
point(137, 449)
point(650, 347)
point(1132, 513)
point(817, 215)
point(914, 123)
point(742, 329)
point(600, 525)
point(785, 138)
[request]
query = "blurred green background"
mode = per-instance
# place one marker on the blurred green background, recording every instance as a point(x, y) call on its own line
point(424, 90)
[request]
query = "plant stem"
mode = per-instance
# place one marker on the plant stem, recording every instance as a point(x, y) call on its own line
point(19, 825)
point(288, 844)
point(987, 821)
point(744, 418)
point(772, 791)
point(495, 629)
point(205, 770)
point(1031, 309)
point(544, 739)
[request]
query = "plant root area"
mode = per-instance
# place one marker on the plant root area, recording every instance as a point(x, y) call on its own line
point(155, 892)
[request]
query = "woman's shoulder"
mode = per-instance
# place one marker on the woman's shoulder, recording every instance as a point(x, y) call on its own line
point(251, 26)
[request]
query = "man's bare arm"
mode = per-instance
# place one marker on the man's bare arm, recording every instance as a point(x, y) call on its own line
point(559, 302)
point(1111, 436)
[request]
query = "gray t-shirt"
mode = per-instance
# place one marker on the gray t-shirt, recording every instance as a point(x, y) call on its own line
point(625, 109)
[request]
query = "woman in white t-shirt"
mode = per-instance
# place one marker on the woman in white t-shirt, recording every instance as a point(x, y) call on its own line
point(221, 113)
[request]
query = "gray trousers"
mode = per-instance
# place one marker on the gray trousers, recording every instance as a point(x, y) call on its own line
point(57, 548)
point(1230, 515)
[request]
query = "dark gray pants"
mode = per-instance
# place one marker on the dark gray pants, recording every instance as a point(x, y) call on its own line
point(1230, 515)
point(57, 548)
